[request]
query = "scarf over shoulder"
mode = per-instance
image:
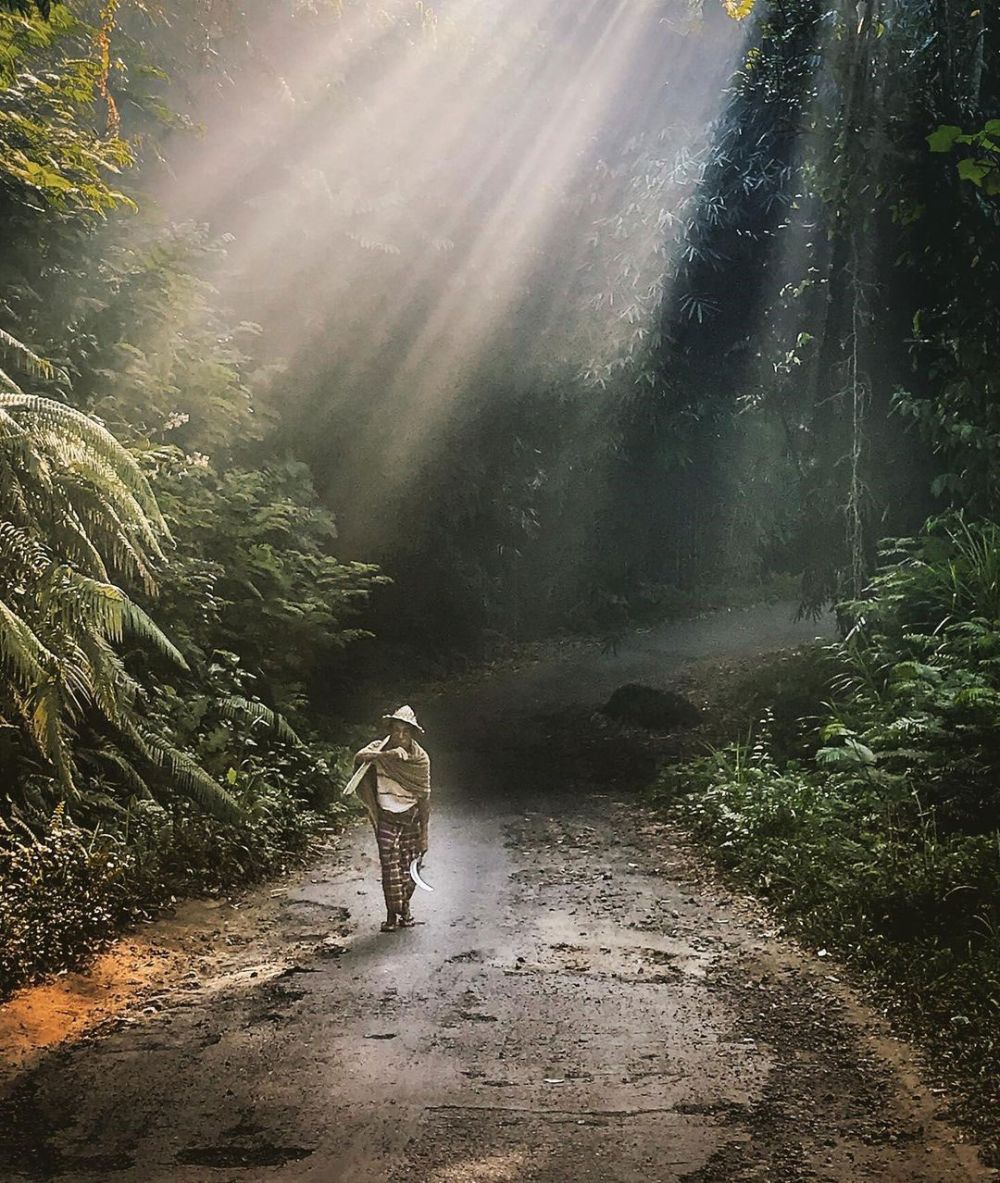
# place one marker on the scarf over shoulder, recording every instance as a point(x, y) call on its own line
point(411, 769)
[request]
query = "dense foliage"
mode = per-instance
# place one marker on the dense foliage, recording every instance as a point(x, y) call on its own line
point(880, 841)
point(863, 253)
point(170, 597)
point(853, 186)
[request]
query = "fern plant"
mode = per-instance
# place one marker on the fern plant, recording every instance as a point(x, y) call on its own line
point(77, 514)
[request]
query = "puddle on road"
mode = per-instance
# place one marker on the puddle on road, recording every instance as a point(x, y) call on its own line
point(262, 1155)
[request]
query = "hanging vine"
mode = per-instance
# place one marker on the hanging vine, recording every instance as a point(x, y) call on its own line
point(859, 391)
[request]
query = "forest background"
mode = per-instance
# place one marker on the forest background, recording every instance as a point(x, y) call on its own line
point(273, 418)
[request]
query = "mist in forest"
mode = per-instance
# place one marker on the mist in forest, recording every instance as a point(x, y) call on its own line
point(431, 210)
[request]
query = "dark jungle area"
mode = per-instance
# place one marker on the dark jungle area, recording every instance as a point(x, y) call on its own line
point(356, 351)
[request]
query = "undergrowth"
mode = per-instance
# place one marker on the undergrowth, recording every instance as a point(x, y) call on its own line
point(874, 828)
point(69, 888)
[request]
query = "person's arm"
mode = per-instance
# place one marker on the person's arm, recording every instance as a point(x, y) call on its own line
point(398, 753)
point(368, 754)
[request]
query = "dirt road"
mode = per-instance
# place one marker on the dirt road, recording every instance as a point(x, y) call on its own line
point(581, 1002)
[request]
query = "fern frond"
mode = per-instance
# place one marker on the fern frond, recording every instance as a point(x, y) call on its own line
point(141, 625)
point(28, 360)
point(130, 515)
point(98, 514)
point(247, 711)
point(21, 651)
point(26, 466)
point(13, 496)
point(127, 772)
point(21, 554)
point(46, 711)
point(75, 674)
point(8, 383)
point(72, 502)
point(83, 604)
point(69, 422)
point(191, 779)
point(114, 691)
point(67, 535)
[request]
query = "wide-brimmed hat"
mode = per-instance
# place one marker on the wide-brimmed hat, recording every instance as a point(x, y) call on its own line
point(404, 714)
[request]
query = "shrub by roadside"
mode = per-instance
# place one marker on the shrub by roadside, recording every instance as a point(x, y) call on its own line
point(67, 890)
point(71, 880)
point(877, 836)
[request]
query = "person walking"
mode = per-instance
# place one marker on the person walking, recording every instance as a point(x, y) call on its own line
point(396, 792)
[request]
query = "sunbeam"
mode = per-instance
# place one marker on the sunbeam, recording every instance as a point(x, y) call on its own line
point(399, 237)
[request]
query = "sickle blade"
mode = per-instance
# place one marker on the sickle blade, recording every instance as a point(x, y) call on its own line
point(416, 876)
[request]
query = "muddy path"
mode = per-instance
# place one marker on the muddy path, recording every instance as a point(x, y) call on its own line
point(582, 1001)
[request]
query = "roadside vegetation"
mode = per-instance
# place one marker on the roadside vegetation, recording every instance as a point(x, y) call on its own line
point(169, 588)
point(866, 814)
point(863, 217)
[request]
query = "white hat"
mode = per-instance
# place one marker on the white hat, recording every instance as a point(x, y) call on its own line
point(405, 715)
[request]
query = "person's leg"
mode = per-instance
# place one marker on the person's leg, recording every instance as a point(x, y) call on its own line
point(389, 841)
point(409, 850)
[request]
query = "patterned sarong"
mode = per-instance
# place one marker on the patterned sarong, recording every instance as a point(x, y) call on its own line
point(398, 836)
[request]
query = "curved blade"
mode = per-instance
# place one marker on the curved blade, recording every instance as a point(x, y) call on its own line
point(415, 875)
point(352, 785)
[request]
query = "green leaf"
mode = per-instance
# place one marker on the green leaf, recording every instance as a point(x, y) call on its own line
point(944, 138)
point(973, 170)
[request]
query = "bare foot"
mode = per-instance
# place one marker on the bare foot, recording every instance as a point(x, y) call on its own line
point(389, 926)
